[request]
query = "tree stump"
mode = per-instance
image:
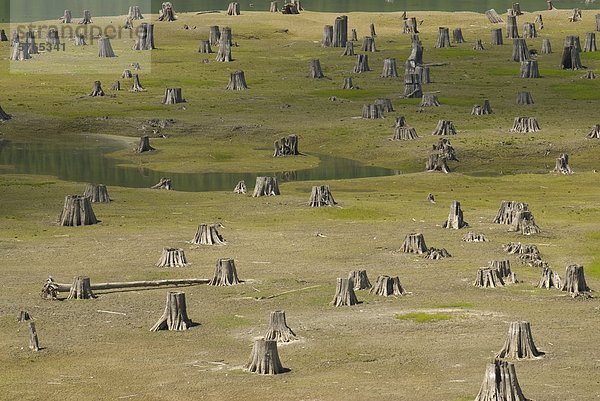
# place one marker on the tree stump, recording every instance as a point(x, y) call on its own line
point(52, 37)
point(240, 188)
point(493, 16)
point(444, 148)
point(444, 127)
point(525, 124)
point(504, 271)
point(372, 111)
point(97, 90)
point(520, 52)
point(225, 273)
point(237, 81)
point(482, 110)
point(80, 40)
point(49, 290)
point(512, 30)
point(549, 279)
point(362, 63)
point(340, 31)
point(412, 86)
point(104, 47)
point(497, 39)
point(589, 75)
point(594, 133)
point(529, 30)
point(546, 46)
point(273, 8)
point(264, 359)
point(423, 73)
point(172, 257)
point(126, 74)
point(518, 248)
point(443, 39)
point(278, 329)
point(286, 146)
point(224, 52)
point(389, 68)
point(573, 40)
point(290, 8)
point(500, 383)
point(23, 316)
point(77, 211)
point(539, 20)
point(429, 101)
point(166, 12)
point(524, 223)
point(81, 288)
point(457, 36)
point(344, 293)
point(473, 237)
point(87, 18)
point(214, 35)
point(414, 243)
point(3, 37)
point(372, 29)
point(529, 69)
point(488, 277)
point(455, 218)
point(368, 44)
point(570, 59)
point(175, 317)
point(32, 47)
point(400, 122)
point(172, 96)
point(207, 234)
point(20, 52)
point(233, 8)
point(315, 69)
point(550, 5)
point(144, 145)
point(386, 104)
point(205, 47)
point(404, 134)
point(97, 193)
point(437, 253)
point(349, 50)
point(321, 196)
point(327, 36)
point(430, 198)
point(574, 282)
point(134, 13)
point(116, 86)
point(598, 22)
point(163, 183)
point(360, 279)
point(575, 15)
point(524, 98)
point(34, 344)
point(354, 36)
point(590, 42)
point(437, 162)
point(562, 165)
point(387, 286)
point(266, 186)
point(416, 53)
point(478, 45)
point(145, 40)
point(67, 17)
point(410, 26)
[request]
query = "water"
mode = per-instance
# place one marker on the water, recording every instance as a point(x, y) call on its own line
point(85, 162)
point(35, 10)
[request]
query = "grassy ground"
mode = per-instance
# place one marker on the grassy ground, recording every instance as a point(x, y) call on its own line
point(430, 345)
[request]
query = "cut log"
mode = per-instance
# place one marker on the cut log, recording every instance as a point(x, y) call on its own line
point(570, 59)
point(429, 101)
point(512, 30)
point(444, 127)
point(264, 359)
point(574, 282)
point(145, 39)
point(34, 343)
point(525, 124)
point(77, 211)
point(410, 26)
point(207, 234)
point(473, 237)
point(445, 149)
point(549, 279)
point(455, 218)
point(488, 277)
point(349, 50)
point(386, 104)
point(500, 383)
point(172, 96)
point(387, 286)
point(389, 68)
point(20, 52)
point(546, 46)
point(278, 330)
point(443, 39)
point(529, 69)
point(225, 273)
point(224, 52)
point(520, 52)
point(144, 145)
point(87, 18)
point(368, 44)
point(166, 12)
point(240, 188)
point(163, 183)
point(97, 193)
point(493, 16)
point(478, 45)
point(340, 31)
point(344, 293)
point(412, 86)
point(372, 111)
point(497, 39)
point(457, 36)
point(437, 253)
point(362, 63)
point(321, 196)
point(81, 288)
point(237, 81)
point(233, 8)
point(273, 8)
point(524, 98)
point(214, 35)
point(423, 72)
point(266, 186)
point(404, 134)
point(590, 42)
point(482, 110)
point(437, 162)
point(126, 74)
point(562, 165)
point(315, 69)
point(372, 30)
point(589, 75)
point(172, 257)
point(529, 30)
point(327, 36)
point(354, 36)
point(360, 279)
point(205, 47)
point(575, 15)
point(594, 133)
point(97, 90)
point(67, 17)
point(134, 13)
point(175, 316)
point(414, 243)
point(524, 223)
point(104, 47)
point(286, 146)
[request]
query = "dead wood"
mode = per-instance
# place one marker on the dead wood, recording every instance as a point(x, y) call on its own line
point(134, 13)
point(414, 243)
point(354, 36)
point(500, 383)
point(444, 127)
point(286, 146)
point(163, 183)
point(520, 52)
point(529, 30)
point(264, 358)
point(172, 96)
point(386, 104)
point(589, 75)
point(214, 35)
point(175, 316)
point(404, 134)
point(562, 165)
point(575, 15)
point(482, 110)
point(126, 74)
point(493, 16)
point(52, 37)
point(387, 286)
point(360, 279)
point(340, 32)
point(410, 26)
point(429, 101)
point(87, 18)
point(81, 288)
point(315, 69)
point(512, 30)
point(116, 86)
point(166, 12)
point(233, 8)
point(546, 46)
point(144, 145)
point(344, 293)
point(207, 234)
point(524, 98)
point(67, 17)
point(457, 36)
point(23, 316)
point(278, 329)
point(237, 81)
point(594, 133)
point(34, 343)
point(266, 186)
point(321, 196)
point(549, 279)
point(327, 36)
point(97, 193)
point(437, 162)
point(362, 63)
point(529, 69)
point(570, 59)
point(574, 282)
point(372, 111)
point(590, 42)
point(478, 45)
point(443, 39)
point(437, 253)
point(524, 223)
point(104, 47)
point(77, 211)
point(455, 218)
point(473, 237)
point(172, 257)
point(225, 273)
point(97, 90)
point(145, 40)
point(273, 8)
point(389, 68)
point(423, 72)
point(412, 86)
point(368, 44)
point(349, 50)
point(525, 124)
point(488, 277)
point(497, 39)
point(504, 270)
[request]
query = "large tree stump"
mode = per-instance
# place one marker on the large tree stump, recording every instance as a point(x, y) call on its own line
point(134, 13)
point(525, 124)
point(574, 282)
point(529, 30)
point(562, 165)
point(575, 15)
point(497, 39)
point(77, 211)
point(172, 257)
point(207, 234)
point(389, 68)
point(225, 273)
point(163, 183)
point(348, 82)
point(590, 42)
point(493, 16)
point(594, 133)
point(175, 316)
point(266, 186)
point(173, 96)
point(349, 50)
point(570, 59)
point(20, 52)
point(97, 90)
point(414, 243)
point(237, 81)
point(412, 86)
point(205, 47)
point(478, 45)
point(520, 52)
point(429, 101)
point(404, 134)
point(387, 286)
point(519, 343)
point(457, 36)
point(444, 127)
point(321, 196)
point(67, 17)
point(278, 329)
point(81, 288)
point(444, 148)
point(589, 75)
point(233, 8)
point(315, 69)
point(344, 293)
point(455, 218)
point(504, 270)
point(482, 110)
point(290, 9)
point(273, 8)
point(327, 36)
point(240, 188)
point(340, 31)
point(360, 279)
point(104, 47)
point(529, 69)
point(573, 40)
point(97, 193)
point(386, 104)
point(372, 111)
point(87, 18)
point(368, 44)
point(145, 39)
point(474, 237)
point(500, 383)
point(166, 12)
point(362, 63)
point(512, 30)
point(437, 253)
point(264, 359)
point(23, 316)
point(524, 98)
point(224, 52)
point(437, 162)
point(410, 26)
point(443, 39)
point(549, 279)
point(286, 146)
point(144, 145)
point(524, 223)
point(546, 46)
point(34, 343)
point(214, 35)
point(488, 277)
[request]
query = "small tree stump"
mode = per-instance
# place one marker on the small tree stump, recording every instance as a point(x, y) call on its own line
point(240, 188)
point(546, 46)
point(389, 68)
point(524, 98)
point(410, 26)
point(574, 282)
point(444, 127)
point(549, 279)
point(443, 39)
point(354, 36)
point(482, 110)
point(278, 329)
point(67, 17)
point(97, 90)
point(520, 52)
point(594, 133)
point(478, 45)
point(145, 40)
point(562, 165)
point(81, 288)
point(116, 86)
point(504, 271)
point(144, 145)
point(497, 39)
point(512, 30)
point(233, 8)
point(590, 42)
point(87, 18)
point(237, 81)
point(340, 31)
point(500, 383)
point(414, 243)
point(529, 30)
point(570, 59)
point(473, 237)
point(457, 36)
point(273, 8)
point(104, 47)
point(20, 52)
point(172, 96)
point(362, 63)
point(493, 16)
point(598, 22)
point(23, 316)
point(437, 253)
point(175, 317)
point(404, 134)
point(488, 277)
point(266, 186)
point(445, 149)
point(430, 198)
point(163, 183)
point(349, 50)
point(205, 47)
point(387, 286)
point(437, 162)
point(412, 86)
point(136, 86)
point(321, 196)
point(518, 248)
point(589, 75)
point(3, 37)
point(166, 12)
point(172, 257)
point(368, 44)
point(455, 218)
point(327, 36)
point(264, 359)
point(525, 124)
point(135, 13)
point(97, 193)
point(519, 343)
point(529, 69)
point(30, 40)
point(575, 16)
point(550, 5)
point(77, 211)
point(207, 234)
point(286, 146)
point(372, 111)
point(429, 101)
point(315, 69)
point(34, 344)
point(372, 29)
point(214, 35)
point(290, 9)
point(360, 279)
point(524, 223)
point(400, 122)
point(344, 293)
point(386, 104)
point(225, 273)
point(126, 74)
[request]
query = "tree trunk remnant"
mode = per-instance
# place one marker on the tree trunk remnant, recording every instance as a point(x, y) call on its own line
point(286, 146)
point(34, 344)
point(224, 52)
point(589, 75)
point(166, 12)
point(488, 277)
point(445, 149)
point(205, 47)
point(23, 316)
point(429, 101)
point(443, 39)
point(414, 243)
point(290, 9)
point(80, 40)
point(437, 162)
point(539, 20)
point(524, 223)
point(273, 8)
point(240, 188)
point(97, 90)
point(598, 22)
point(87, 18)
point(520, 249)
point(349, 50)
point(386, 105)
point(145, 40)
point(207, 234)
point(126, 74)
point(500, 383)
point(134, 13)
point(529, 30)
point(497, 39)
point(52, 37)
point(32, 47)
point(512, 30)
point(575, 16)
point(562, 165)
point(81, 288)
point(368, 44)
point(516, 9)
point(444, 127)
point(410, 26)
point(362, 63)
point(478, 45)
point(493, 16)
point(172, 257)
point(573, 40)
point(344, 293)
point(144, 145)
point(3, 37)
point(529, 69)
point(455, 218)
point(354, 36)
point(233, 8)
point(389, 68)
point(570, 59)
point(321, 196)
point(372, 111)
point(404, 134)
point(549, 279)
point(340, 31)
point(266, 186)
point(574, 282)
point(372, 30)
point(77, 211)
point(387, 286)
point(473, 237)
point(237, 81)
point(430, 198)
point(504, 271)
point(214, 35)
point(172, 96)
point(520, 52)
point(594, 133)
point(264, 359)
point(525, 124)
point(327, 36)
point(412, 86)
point(457, 36)
point(423, 72)
point(104, 47)
point(225, 273)
point(360, 279)
point(437, 253)
point(278, 330)
point(116, 86)
point(416, 53)
point(20, 52)
point(546, 46)
point(550, 5)
point(175, 317)
point(67, 17)
point(163, 183)
point(50, 290)
point(482, 110)
point(97, 193)
point(348, 83)
point(315, 69)
point(590, 42)
point(524, 98)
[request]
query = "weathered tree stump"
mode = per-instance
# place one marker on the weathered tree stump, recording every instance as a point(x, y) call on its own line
point(562, 165)
point(97, 90)
point(23, 316)
point(570, 59)
point(81, 288)
point(20, 52)
point(144, 145)
point(443, 39)
point(128, 23)
point(266, 186)
point(87, 18)
point(340, 31)
point(52, 37)
point(478, 45)
point(493, 16)
point(134, 13)
point(116, 86)
point(488, 277)
point(273, 8)
point(546, 46)
point(574, 282)
point(404, 134)
point(97, 193)
point(524, 223)
point(67, 17)
point(145, 39)
point(525, 124)
point(412, 86)
point(362, 63)
point(429, 101)
point(166, 12)
point(163, 183)
point(327, 36)
point(512, 30)
point(539, 20)
point(34, 343)
point(520, 52)
point(504, 270)
point(518, 248)
point(474, 237)
point(278, 329)
point(50, 290)
point(172, 96)
point(550, 5)
point(372, 30)
point(437, 253)
point(286, 146)
point(360, 279)
point(414, 243)
point(233, 8)
point(482, 110)
point(225, 273)
point(240, 188)
point(444, 127)
point(455, 218)
point(264, 359)
point(237, 81)
point(207, 234)
point(400, 122)
point(575, 15)
point(497, 39)
point(389, 68)
point(175, 316)
point(445, 149)
point(387, 286)
point(437, 162)
point(372, 111)
point(172, 257)
point(344, 293)
point(524, 98)
point(430, 198)
point(529, 69)
point(77, 211)
point(354, 36)
point(590, 42)
point(457, 36)
point(214, 35)
point(349, 50)
point(423, 72)
point(549, 279)
point(80, 40)
point(290, 9)
point(368, 44)
point(386, 104)
point(500, 383)
point(598, 22)
point(416, 53)
point(315, 69)
point(594, 133)
point(224, 52)
point(126, 74)
point(3, 37)
point(32, 47)
point(589, 75)
point(321, 196)
point(104, 47)
point(529, 30)
point(573, 40)
point(410, 26)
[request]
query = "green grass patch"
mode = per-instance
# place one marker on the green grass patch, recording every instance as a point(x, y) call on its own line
point(593, 270)
point(457, 305)
point(353, 213)
point(576, 90)
point(422, 317)
point(358, 94)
